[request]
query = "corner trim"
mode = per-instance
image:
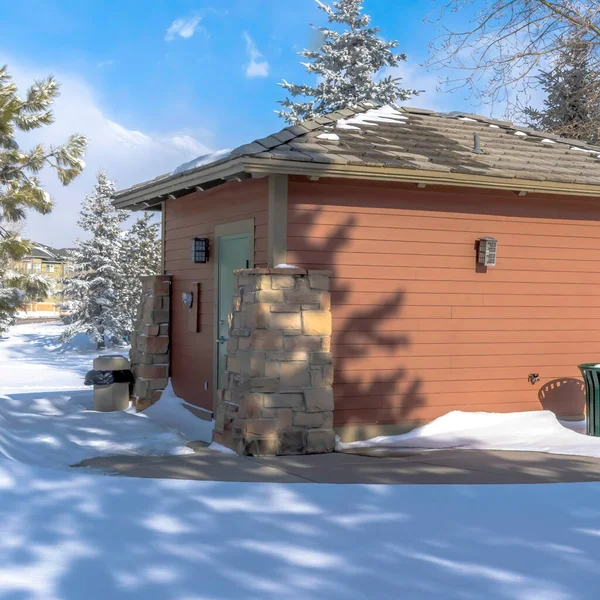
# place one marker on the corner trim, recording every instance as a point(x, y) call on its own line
point(277, 220)
point(163, 232)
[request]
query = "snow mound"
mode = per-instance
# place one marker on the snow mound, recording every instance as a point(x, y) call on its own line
point(577, 426)
point(199, 161)
point(170, 411)
point(536, 431)
point(284, 266)
point(220, 448)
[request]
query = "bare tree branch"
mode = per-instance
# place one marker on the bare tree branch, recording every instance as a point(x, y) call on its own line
point(510, 41)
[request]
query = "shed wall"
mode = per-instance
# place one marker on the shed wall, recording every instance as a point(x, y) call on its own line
point(195, 215)
point(419, 330)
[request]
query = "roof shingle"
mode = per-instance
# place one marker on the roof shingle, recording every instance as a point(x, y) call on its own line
point(420, 139)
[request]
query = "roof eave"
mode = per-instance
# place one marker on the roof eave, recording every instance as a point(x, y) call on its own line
point(375, 173)
point(154, 193)
point(160, 190)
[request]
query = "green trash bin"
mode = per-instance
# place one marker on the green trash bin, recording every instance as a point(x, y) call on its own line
point(591, 378)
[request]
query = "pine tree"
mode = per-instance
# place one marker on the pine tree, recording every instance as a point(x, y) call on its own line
point(98, 275)
point(572, 103)
point(20, 188)
point(140, 256)
point(347, 66)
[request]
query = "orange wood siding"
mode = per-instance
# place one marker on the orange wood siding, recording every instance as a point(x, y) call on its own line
point(419, 330)
point(196, 215)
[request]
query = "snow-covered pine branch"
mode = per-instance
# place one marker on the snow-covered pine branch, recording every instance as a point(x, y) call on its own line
point(347, 65)
point(140, 256)
point(94, 289)
point(105, 289)
point(20, 189)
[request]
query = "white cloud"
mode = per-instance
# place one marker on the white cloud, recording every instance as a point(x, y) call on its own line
point(417, 77)
point(105, 63)
point(184, 28)
point(256, 67)
point(129, 156)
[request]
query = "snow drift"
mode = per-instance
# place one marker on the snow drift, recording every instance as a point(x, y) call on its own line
point(536, 431)
point(170, 411)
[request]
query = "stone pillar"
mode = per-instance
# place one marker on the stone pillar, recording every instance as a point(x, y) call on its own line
point(150, 344)
point(278, 398)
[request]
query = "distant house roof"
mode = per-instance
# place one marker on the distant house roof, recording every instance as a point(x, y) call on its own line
point(395, 143)
point(47, 253)
point(64, 253)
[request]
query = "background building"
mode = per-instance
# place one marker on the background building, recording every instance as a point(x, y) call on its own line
point(54, 263)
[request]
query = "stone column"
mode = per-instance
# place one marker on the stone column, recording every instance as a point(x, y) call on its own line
point(278, 398)
point(150, 344)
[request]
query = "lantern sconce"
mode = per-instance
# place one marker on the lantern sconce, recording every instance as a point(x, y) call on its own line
point(200, 250)
point(486, 251)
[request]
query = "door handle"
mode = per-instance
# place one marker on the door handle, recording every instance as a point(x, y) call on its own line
point(221, 339)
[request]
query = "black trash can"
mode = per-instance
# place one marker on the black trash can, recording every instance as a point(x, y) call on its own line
point(591, 377)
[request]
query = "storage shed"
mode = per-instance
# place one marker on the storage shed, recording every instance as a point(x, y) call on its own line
point(398, 204)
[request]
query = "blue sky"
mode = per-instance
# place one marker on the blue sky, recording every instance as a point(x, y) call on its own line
point(154, 84)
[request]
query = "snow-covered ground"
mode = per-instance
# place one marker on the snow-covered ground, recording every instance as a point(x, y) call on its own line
point(68, 534)
point(46, 413)
point(32, 358)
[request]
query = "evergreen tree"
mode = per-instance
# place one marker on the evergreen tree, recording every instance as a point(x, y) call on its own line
point(20, 188)
point(347, 65)
point(98, 276)
point(572, 103)
point(140, 256)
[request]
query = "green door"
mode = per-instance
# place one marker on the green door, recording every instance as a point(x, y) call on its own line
point(234, 253)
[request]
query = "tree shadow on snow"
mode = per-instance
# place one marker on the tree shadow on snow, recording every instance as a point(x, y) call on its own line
point(73, 536)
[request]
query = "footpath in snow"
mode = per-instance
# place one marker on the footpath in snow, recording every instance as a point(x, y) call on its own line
point(32, 359)
point(69, 536)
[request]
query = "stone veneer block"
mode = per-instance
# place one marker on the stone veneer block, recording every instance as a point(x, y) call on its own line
point(150, 341)
point(278, 397)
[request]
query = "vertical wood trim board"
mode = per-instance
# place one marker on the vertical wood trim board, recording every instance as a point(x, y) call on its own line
point(163, 219)
point(278, 219)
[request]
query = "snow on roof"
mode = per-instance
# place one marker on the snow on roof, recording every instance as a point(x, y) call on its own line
point(382, 114)
point(373, 135)
point(329, 136)
point(47, 253)
point(200, 161)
